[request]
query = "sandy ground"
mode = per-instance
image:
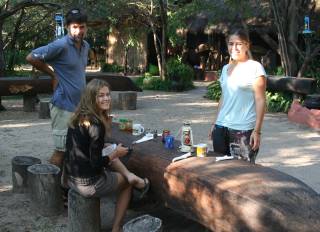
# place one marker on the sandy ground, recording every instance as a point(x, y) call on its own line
point(288, 147)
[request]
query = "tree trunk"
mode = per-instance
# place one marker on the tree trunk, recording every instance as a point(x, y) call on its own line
point(2, 62)
point(163, 13)
point(307, 60)
point(125, 70)
point(281, 35)
point(155, 41)
point(292, 33)
point(14, 41)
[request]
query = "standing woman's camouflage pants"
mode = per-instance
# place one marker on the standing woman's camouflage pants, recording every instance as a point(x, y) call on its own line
point(233, 142)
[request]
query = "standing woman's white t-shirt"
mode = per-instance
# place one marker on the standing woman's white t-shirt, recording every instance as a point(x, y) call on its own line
point(238, 110)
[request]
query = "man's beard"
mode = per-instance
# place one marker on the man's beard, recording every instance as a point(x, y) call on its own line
point(77, 38)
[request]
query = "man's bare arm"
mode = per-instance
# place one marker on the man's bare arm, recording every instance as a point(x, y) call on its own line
point(43, 67)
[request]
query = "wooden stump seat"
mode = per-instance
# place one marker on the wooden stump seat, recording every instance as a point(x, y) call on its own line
point(127, 100)
point(44, 109)
point(29, 103)
point(83, 213)
point(44, 189)
point(19, 172)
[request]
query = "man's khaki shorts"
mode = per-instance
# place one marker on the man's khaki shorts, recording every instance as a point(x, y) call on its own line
point(59, 123)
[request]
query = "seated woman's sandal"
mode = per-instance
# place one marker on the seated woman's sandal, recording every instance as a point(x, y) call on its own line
point(143, 191)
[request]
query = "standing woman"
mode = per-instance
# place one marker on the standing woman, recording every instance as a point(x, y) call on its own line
point(237, 129)
point(86, 165)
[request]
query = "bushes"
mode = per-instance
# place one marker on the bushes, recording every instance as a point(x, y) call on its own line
point(180, 75)
point(276, 102)
point(153, 70)
point(179, 78)
point(214, 91)
point(148, 82)
point(111, 68)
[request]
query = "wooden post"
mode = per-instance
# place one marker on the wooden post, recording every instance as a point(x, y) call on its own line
point(29, 103)
point(83, 213)
point(19, 172)
point(144, 223)
point(44, 109)
point(128, 100)
point(2, 108)
point(44, 189)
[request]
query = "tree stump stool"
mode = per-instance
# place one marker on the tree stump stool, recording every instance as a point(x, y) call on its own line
point(19, 172)
point(115, 99)
point(44, 189)
point(83, 213)
point(29, 103)
point(44, 109)
point(144, 223)
point(127, 100)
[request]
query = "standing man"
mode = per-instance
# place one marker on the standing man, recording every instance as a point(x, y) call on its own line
point(68, 58)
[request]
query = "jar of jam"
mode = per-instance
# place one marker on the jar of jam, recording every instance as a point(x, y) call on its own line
point(164, 135)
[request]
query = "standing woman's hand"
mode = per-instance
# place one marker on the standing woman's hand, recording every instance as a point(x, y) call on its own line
point(255, 140)
point(210, 131)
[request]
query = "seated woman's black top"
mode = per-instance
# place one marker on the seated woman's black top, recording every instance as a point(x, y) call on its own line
point(83, 157)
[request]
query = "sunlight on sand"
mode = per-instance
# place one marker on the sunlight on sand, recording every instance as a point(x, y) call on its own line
point(291, 161)
point(21, 125)
point(5, 188)
point(205, 104)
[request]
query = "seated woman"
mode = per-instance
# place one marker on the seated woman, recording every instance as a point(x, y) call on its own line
point(85, 162)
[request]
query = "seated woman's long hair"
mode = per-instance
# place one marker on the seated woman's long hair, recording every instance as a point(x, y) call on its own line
point(87, 109)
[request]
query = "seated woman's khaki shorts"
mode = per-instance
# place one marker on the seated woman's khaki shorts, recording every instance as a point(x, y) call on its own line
point(96, 186)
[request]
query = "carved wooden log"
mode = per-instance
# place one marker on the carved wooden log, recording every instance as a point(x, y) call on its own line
point(230, 195)
point(299, 85)
point(29, 103)
point(44, 109)
point(44, 189)
point(19, 172)
point(116, 82)
point(32, 86)
point(127, 100)
point(83, 213)
point(312, 101)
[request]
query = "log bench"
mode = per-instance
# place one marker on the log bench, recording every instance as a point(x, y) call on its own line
point(300, 86)
point(29, 87)
point(231, 195)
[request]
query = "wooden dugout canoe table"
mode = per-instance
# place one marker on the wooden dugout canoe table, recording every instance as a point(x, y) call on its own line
point(231, 195)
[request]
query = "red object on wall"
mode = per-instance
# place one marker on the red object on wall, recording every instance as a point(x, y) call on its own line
point(210, 76)
point(299, 114)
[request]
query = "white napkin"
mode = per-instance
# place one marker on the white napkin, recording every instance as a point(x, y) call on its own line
point(181, 157)
point(109, 149)
point(147, 137)
point(226, 157)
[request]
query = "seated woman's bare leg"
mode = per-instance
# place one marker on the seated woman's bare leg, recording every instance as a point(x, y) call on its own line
point(122, 202)
point(132, 179)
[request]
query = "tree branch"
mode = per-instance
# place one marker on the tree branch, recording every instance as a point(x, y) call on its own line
point(307, 60)
point(24, 4)
point(297, 49)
